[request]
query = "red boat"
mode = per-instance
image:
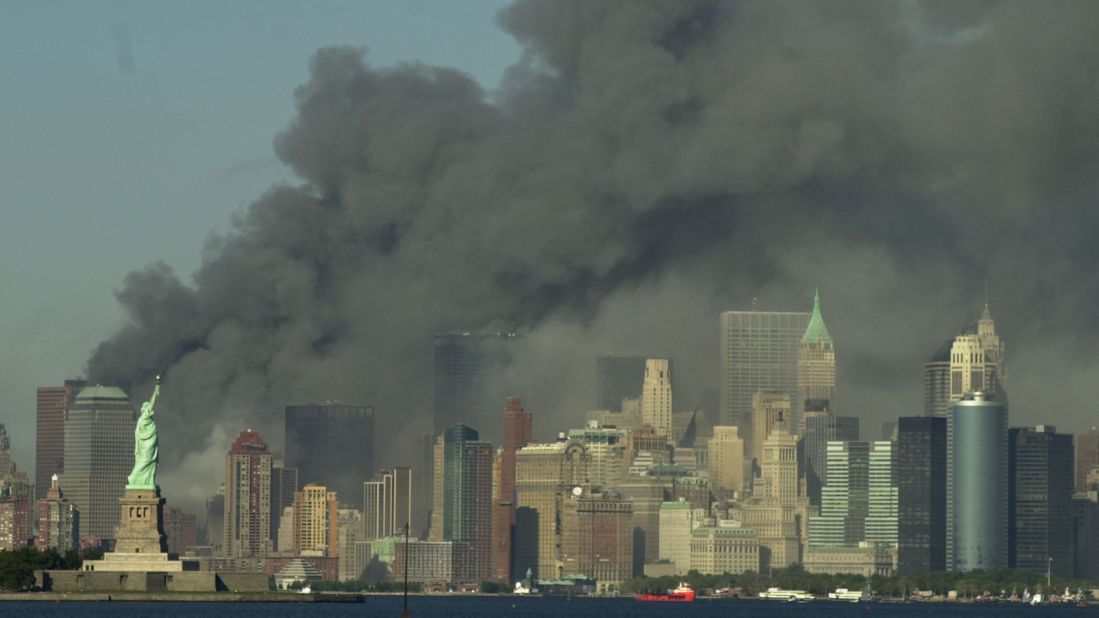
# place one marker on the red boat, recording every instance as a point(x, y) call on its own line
point(682, 594)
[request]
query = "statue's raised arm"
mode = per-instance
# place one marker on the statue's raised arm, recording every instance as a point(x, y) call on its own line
point(146, 446)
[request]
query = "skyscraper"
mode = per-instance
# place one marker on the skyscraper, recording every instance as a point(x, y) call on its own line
point(977, 471)
point(921, 481)
point(883, 495)
point(387, 503)
point(316, 521)
point(284, 483)
point(58, 521)
point(726, 453)
point(518, 432)
point(767, 408)
point(1040, 500)
point(820, 429)
point(12, 481)
point(816, 370)
point(463, 511)
point(844, 497)
point(331, 444)
point(247, 521)
point(473, 374)
point(49, 458)
point(1087, 456)
point(972, 361)
point(180, 529)
point(99, 454)
point(656, 396)
point(617, 378)
point(597, 537)
point(759, 352)
point(543, 473)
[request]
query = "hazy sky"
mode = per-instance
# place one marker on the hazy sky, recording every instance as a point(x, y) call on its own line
point(131, 130)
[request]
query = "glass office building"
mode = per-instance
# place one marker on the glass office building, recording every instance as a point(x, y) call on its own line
point(977, 487)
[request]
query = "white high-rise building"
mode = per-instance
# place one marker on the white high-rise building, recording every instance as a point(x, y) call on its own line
point(656, 396)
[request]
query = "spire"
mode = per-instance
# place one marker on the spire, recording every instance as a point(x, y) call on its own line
point(816, 331)
point(986, 315)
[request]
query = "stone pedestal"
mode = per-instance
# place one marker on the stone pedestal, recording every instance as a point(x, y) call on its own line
point(141, 544)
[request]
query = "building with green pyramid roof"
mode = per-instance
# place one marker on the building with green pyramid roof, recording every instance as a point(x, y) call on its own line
point(816, 369)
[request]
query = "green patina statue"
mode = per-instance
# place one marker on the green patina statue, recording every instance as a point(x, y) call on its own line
point(146, 446)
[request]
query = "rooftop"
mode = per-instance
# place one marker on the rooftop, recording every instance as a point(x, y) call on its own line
point(816, 331)
point(102, 392)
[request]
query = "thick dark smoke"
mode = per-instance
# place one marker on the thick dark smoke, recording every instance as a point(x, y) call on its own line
point(642, 167)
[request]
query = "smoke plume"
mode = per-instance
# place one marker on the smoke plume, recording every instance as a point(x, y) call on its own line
point(643, 166)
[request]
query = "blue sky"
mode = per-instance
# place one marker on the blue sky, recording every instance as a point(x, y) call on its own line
point(131, 130)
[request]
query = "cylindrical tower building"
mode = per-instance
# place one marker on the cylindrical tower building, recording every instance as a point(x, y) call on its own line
point(977, 466)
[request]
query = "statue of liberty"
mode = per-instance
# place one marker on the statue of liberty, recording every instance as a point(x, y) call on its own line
point(146, 446)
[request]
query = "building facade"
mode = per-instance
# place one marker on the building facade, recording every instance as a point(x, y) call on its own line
point(331, 444)
point(718, 549)
point(816, 370)
point(820, 429)
point(51, 411)
point(977, 484)
point(316, 521)
point(726, 459)
point(1040, 488)
point(99, 455)
point(518, 432)
point(247, 523)
point(58, 521)
point(767, 408)
point(1087, 457)
point(463, 490)
point(284, 483)
point(597, 537)
point(759, 352)
point(973, 361)
point(921, 483)
point(677, 521)
point(656, 396)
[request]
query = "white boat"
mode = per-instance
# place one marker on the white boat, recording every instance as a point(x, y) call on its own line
point(778, 594)
point(521, 589)
point(843, 594)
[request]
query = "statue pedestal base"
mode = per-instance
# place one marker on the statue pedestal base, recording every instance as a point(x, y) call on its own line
point(141, 544)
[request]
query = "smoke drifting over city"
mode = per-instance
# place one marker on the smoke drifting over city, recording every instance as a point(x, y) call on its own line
point(642, 167)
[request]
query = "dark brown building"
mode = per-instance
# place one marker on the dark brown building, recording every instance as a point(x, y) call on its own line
point(518, 432)
point(53, 406)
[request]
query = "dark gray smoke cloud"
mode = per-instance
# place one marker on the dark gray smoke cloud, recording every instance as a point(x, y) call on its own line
point(642, 167)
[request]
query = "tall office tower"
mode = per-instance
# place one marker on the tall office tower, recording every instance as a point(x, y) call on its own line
point(936, 381)
point(284, 483)
point(820, 429)
point(99, 455)
point(726, 453)
point(473, 374)
point(921, 481)
point(976, 484)
point(247, 521)
point(816, 370)
point(759, 352)
point(543, 473)
point(53, 407)
point(331, 444)
point(972, 361)
point(518, 432)
point(58, 521)
point(350, 528)
point(767, 408)
point(316, 521)
point(1040, 499)
point(618, 378)
point(1085, 535)
point(597, 537)
point(883, 495)
point(647, 494)
point(11, 479)
point(779, 508)
point(1087, 457)
point(656, 396)
point(180, 529)
point(463, 488)
point(387, 503)
point(677, 520)
point(844, 498)
point(423, 484)
point(214, 529)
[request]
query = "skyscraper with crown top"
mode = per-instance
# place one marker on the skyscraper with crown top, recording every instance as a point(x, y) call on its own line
point(816, 370)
